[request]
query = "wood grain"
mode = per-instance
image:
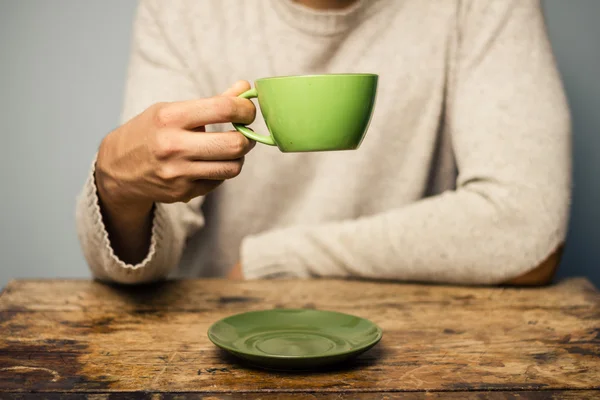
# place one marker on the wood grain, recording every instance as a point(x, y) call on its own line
point(87, 337)
point(518, 395)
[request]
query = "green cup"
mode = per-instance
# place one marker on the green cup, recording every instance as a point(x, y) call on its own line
point(314, 112)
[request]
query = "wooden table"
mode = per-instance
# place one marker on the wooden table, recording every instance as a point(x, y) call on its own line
point(81, 339)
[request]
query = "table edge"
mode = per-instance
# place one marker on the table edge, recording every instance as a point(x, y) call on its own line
point(299, 391)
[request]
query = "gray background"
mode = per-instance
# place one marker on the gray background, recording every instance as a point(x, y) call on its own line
point(61, 81)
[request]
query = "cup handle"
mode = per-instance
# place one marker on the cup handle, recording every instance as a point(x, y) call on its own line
point(244, 130)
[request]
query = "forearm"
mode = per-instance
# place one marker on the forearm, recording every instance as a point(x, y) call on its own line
point(129, 227)
point(457, 237)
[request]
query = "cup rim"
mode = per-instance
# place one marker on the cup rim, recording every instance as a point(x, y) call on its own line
point(349, 74)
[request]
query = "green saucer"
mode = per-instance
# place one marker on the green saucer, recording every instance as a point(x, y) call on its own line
point(294, 339)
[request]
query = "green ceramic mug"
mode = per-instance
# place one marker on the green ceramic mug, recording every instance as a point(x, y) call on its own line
point(314, 112)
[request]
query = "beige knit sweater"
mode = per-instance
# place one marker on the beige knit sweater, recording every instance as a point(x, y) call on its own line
point(464, 175)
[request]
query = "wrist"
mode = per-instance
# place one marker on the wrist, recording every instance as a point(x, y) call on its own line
point(114, 203)
point(110, 192)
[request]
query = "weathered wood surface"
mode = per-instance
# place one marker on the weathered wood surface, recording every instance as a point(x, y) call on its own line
point(513, 395)
point(86, 337)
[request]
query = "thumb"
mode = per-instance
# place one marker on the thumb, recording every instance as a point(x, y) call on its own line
point(238, 88)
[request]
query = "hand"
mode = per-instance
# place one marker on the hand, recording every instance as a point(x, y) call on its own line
point(161, 156)
point(164, 155)
point(236, 272)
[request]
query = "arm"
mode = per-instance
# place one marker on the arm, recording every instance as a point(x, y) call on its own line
point(137, 244)
point(509, 123)
point(142, 198)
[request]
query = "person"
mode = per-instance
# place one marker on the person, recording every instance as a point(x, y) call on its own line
point(463, 177)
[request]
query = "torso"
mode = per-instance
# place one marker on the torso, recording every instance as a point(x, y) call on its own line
point(405, 156)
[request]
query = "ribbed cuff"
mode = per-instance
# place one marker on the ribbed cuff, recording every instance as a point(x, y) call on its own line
point(103, 261)
point(266, 256)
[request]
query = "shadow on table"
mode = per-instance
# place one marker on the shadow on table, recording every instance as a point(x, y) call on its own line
point(369, 359)
point(177, 295)
point(155, 294)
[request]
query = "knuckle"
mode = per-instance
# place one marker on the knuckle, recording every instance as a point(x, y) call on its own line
point(153, 109)
point(166, 146)
point(167, 172)
point(167, 114)
point(238, 145)
point(183, 194)
point(178, 193)
point(235, 169)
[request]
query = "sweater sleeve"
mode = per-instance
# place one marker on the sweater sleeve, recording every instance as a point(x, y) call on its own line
point(510, 126)
point(156, 73)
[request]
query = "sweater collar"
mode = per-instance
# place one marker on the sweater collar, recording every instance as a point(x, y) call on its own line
point(325, 22)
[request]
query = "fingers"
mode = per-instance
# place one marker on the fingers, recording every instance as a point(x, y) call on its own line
point(238, 88)
point(192, 114)
point(219, 146)
point(192, 190)
point(185, 180)
point(207, 146)
point(202, 187)
point(214, 170)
